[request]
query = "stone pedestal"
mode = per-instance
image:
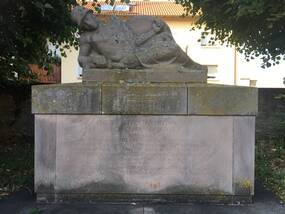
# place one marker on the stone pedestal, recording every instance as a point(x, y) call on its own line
point(144, 142)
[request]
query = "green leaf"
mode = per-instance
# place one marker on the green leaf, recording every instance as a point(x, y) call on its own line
point(39, 5)
point(48, 6)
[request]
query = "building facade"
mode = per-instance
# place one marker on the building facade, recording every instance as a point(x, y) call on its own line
point(225, 65)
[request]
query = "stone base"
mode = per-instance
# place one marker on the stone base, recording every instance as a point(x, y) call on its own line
point(197, 158)
point(160, 74)
point(159, 142)
point(144, 198)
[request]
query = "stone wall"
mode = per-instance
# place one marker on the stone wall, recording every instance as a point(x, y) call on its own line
point(270, 121)
point(16, 120)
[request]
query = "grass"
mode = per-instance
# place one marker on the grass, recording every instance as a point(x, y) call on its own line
point(270, 164)
point(16, 163)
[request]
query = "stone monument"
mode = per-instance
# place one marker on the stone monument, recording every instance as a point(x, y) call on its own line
point(144, 126)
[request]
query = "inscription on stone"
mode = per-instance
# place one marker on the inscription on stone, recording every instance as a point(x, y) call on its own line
point(143, 154)
point(140, 99)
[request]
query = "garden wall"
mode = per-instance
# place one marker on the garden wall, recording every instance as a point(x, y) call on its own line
point(270, 121)
point(16, 120)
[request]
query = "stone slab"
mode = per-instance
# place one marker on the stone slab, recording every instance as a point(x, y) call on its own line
point(222, 100)
point(66, 99)
point(243, 155)
point(45, 153)
point(144, 99)
point(166, 74)
point(130, 198)
point(143, 154)
point(117, 157)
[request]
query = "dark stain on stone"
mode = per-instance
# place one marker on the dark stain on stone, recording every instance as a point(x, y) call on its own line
point(45, 188)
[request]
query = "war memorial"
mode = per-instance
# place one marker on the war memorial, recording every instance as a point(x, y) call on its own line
point(144, 125)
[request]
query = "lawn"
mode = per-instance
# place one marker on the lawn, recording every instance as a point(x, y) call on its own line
point(270, 164)
point(16, 163)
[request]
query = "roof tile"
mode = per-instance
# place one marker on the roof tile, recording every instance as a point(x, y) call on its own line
point(149, 8)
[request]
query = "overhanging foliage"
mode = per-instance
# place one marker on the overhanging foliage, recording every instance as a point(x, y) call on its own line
point(25, 27)
point(255, 27)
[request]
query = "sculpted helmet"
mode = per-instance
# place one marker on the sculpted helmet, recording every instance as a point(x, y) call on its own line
point(78, 14)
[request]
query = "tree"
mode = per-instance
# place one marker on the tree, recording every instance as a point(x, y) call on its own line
point(25, 27)
point(254, 27)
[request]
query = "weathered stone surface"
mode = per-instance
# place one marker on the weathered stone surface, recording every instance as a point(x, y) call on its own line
point(107, 198)
point(138, 42)
point(222, 100)
point(139, 98)
point(66, 98)
point(271, 116)
point(45, 153)
point(169, 74)
point(144, 154)
point(243, 155)
point(102, 155)
point(144, 99)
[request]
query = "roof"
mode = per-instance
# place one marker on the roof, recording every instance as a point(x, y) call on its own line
point(44, 76)
point(149, 8)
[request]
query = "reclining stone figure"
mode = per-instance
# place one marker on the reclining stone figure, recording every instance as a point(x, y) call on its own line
point(139, 42)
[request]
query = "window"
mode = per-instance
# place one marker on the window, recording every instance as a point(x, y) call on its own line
point(119, 7)
point(106, 7)
point(78, 71)
point(213, 73)
point(207, 40)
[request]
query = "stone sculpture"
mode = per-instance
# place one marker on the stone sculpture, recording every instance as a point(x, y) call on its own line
point(140, 42)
